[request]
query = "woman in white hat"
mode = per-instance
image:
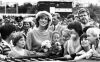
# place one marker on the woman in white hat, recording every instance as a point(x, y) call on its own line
point(40, 32)
point(28, 24)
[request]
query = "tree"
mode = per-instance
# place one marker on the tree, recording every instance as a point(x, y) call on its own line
point(94, 11)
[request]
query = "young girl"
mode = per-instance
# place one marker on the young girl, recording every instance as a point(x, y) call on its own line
point(94, 36)
point(86, 50)
point(57, 45)
point(19, 44)
point(65, 35)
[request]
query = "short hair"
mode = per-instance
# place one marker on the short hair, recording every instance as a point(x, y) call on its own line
point(70, 16)
point(17, 38)
point(84, 35)
point(6, 30)
point(82, 10)
point(94, 31)
point(42, 14)
point(76, 26)
point(57, 15)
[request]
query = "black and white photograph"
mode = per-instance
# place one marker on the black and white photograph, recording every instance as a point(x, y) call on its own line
point(50, 30)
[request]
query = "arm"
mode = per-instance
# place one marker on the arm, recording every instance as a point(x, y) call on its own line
point(85, 55)
point(65, 48)
point(11, 54)
point(65, 51)
point(29, 41)
point(95, 52)
point(78, 49)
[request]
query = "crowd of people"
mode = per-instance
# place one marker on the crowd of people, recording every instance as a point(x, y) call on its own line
point(45, 34)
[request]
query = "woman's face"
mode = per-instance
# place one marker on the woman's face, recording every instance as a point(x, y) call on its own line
point(85, 42)
point(21, 42)
point(43, 21)
point(66, 35)
point(20, 24)
point(26, 25)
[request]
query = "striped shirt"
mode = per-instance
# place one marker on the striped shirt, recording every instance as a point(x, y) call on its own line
point(4, 48)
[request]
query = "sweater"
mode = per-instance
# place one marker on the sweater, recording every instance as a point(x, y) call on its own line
point(36, 37)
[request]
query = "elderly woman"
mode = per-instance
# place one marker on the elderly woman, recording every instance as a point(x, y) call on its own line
point(40, 32)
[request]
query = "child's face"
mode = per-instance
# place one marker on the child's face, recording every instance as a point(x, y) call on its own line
point(66, 35)
point(91, 38)
point(56, 37)
point(21, 42)
point(85, 42)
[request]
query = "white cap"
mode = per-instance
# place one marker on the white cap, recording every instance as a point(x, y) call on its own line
point(29, 19)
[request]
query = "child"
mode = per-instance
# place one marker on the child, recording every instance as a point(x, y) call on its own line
point(94, 38)
point(65, 35)
point(19, 44)
point(86, 50)
point(57, 45)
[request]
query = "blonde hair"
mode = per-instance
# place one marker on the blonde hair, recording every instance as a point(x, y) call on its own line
point(94, 31)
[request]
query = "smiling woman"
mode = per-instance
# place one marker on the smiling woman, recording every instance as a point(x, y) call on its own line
point(40, 32)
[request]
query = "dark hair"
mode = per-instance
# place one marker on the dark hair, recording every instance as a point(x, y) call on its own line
point(17, 38)
point(19, 19)
point(84, 35)
point(76, 26)
point(6, 30)
point(70, 16)
point(42, 15)
point(86, 28)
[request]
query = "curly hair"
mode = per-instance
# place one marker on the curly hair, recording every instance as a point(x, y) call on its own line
point(76, 26)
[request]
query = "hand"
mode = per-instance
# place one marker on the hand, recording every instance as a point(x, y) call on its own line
point(67, 56)
point(87, 57)
point(3, 57)
point(95, 53)
point(76, 58)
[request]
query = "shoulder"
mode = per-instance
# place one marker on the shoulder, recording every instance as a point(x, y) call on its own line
point(30, 33)
point(11, 54)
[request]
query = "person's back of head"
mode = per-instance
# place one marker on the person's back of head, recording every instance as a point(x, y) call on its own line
point(6, 30)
